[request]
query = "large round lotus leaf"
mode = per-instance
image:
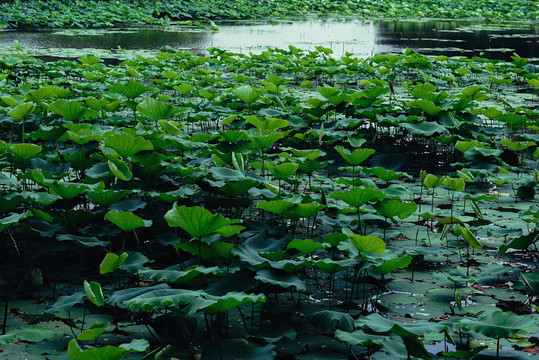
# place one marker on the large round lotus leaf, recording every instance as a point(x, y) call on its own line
point(281, 279)
point(500, 324)
point(126, 144)
point(424, 128)
point(126, 220)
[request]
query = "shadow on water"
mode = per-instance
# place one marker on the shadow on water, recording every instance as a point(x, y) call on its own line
point(360, 37)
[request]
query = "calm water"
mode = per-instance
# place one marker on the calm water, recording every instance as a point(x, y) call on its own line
point(363, 38)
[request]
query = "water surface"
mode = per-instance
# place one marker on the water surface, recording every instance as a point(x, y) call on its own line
point(360, 37)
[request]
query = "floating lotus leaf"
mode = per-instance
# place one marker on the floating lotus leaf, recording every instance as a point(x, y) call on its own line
point(424, 128)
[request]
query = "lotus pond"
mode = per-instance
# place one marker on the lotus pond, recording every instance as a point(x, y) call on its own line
point(284, 205)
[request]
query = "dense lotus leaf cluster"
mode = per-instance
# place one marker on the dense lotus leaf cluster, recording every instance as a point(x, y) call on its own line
point(288, 204)
point(101, 14)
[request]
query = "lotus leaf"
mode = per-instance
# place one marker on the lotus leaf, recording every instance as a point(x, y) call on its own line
point(126, 220)
point(108, 352)
point(112, 262)
point(197, 221)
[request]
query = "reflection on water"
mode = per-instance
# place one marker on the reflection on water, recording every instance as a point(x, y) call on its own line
point(360, 37)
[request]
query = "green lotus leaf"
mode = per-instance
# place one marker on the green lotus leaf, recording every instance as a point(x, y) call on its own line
point(333, 266)
point(85, 241)
point(499, 325)
point(384, 174)
point(432, 181)
point(69, 109)
point(517, 145)
point(22, 111)
point(246, 93)
point(46, 92)
point(230, 230)
point(220, 304)
point(427, 106)
point(391, 265)
point(283, 171)
point(473, 93)
point(107, 197)
point(469, 237)
point(305, 246)
point(176, 276)
point(93, 332)
point(414, 346)
point(355, 157)
point(197, 221)
point(226, 174)
point(108, 352)
point(328, 321)
point(520, 243)
point(424, 128)
point(25, 151)
point(455, 184)
point(170, 127)
point(304, 210)
point(162, 298)
point(126, 220)
point(391, 208)
point(94, 293)
point(358, 196)
point(268, 124)
point(131, 90)
point(119, 169)
point(335, 238)
point(278, 207)
point(264, 141)
point(280, 278)
point(126, 144)
point(156, 109)
point(368, 243)
point(112, 262)
point(66, 302)
point(66, 190)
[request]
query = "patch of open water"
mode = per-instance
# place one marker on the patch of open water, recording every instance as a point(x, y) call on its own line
point(363, 38)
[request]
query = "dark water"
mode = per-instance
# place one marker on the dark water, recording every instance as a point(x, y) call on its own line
point(360, 37)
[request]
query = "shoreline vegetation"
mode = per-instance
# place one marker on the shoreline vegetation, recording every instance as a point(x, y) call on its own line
point(39, 15)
